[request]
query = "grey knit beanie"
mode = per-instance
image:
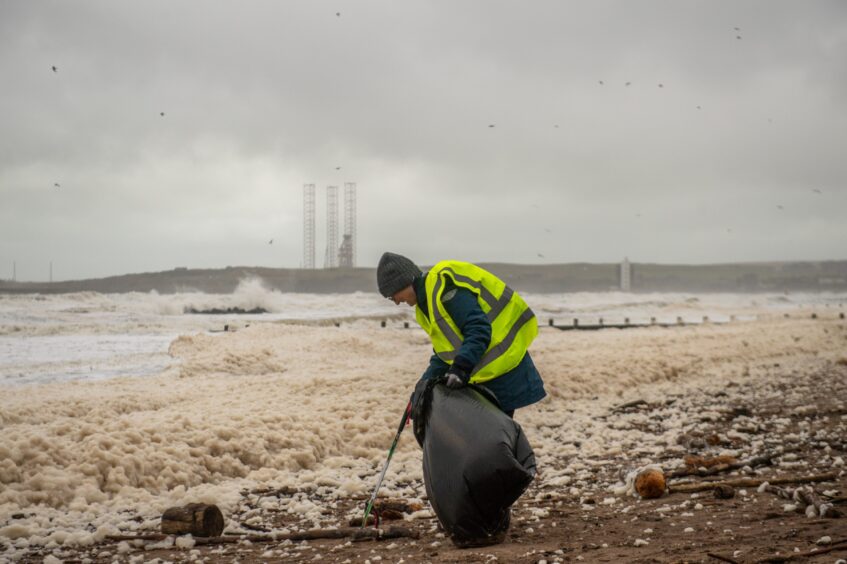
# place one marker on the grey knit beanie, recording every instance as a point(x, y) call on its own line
point(394, 273)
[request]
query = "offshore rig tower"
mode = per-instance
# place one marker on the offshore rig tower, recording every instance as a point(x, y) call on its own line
point(336, 255)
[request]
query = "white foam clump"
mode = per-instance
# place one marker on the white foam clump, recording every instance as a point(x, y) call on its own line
point(267, 412)
point(15, 531)
point(185, 541)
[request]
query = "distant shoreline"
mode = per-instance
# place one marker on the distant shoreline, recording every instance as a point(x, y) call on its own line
point(812, 276)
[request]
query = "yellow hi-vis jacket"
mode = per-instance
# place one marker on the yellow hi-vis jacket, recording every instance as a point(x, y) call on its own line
point(513, 324)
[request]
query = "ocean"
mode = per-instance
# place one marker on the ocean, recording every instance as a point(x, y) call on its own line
point(92, 336)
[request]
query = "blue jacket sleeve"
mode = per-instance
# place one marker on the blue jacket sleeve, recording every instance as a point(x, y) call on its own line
point(463, 307)
point(437, 367)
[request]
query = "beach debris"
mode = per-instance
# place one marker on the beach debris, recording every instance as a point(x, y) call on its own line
point(284, 491)
point(691, 487)
point(805, 499)
point(695, 461)
point(357, 521)
point(629, 405)
point(721, 557)
point(640, 404)
point(648, 482)
point(389, 510)
point(723, 491)
point(355, 533)
point(708, 466)
point(197, 519)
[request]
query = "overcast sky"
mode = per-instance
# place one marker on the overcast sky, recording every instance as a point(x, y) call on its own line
point(530, 132)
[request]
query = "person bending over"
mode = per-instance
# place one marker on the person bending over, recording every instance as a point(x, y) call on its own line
point(480, 328)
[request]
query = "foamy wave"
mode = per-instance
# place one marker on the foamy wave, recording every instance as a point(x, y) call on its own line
point(251, 293)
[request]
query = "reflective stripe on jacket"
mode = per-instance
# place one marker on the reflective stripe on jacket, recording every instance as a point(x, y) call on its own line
point(513, 324)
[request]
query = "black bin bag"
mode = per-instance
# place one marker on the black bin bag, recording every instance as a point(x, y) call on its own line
point(476, 460)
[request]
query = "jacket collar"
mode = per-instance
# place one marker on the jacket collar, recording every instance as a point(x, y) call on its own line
point(419, 285)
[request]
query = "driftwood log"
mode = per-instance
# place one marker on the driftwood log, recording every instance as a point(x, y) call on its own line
point(197, 519)
point(710, 467)
point(721, 557)
point(690, 487)
point(355, 533)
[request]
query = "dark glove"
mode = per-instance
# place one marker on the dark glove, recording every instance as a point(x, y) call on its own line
point(456, 377)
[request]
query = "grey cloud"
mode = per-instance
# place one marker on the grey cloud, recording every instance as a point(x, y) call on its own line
point(262, 97)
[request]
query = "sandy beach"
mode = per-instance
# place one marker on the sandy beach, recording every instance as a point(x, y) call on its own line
point(310, 410)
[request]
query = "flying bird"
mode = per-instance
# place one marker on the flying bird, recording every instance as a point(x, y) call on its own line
point(600, 82)
point(661, 85)
point(338, 168)
point(780, 207)
point(55, 68)
point(271, 242)
point(57, 185)
point(338, 14)
point(540, 255)
point(556, 125)
point(738, 37)
point(699, 107)
point(815, 190)
point(737, 28)
point(162, 114)
point(627, 83)
point(491, 125)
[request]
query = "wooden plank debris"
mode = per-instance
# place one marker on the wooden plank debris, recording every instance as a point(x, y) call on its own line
point(197, 519)
point(691, 487)
point(354, 533)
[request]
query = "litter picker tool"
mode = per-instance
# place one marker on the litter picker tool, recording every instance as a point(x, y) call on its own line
point(371, 501)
